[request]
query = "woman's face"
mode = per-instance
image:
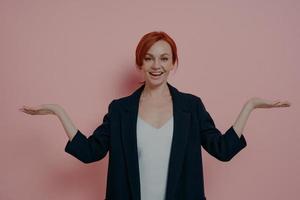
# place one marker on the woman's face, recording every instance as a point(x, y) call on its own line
point(157, 63)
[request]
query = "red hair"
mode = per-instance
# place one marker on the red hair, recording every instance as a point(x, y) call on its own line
point(148, 40)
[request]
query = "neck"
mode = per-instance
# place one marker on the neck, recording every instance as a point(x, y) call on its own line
point(156, 91)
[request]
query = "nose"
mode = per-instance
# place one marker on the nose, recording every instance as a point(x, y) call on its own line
point(156, 64)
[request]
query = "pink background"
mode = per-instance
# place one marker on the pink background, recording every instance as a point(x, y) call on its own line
point(80, 54)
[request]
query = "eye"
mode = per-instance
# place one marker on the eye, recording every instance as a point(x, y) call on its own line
point(165, 59)
point(147, 58)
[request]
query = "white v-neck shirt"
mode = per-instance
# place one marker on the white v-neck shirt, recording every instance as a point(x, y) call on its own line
point(154, 145)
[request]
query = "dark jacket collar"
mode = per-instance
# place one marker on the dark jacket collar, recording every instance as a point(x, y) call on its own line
point(132, 101)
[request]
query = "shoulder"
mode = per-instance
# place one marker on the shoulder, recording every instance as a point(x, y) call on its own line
point(115, 103)
point(189, 96)
point(192, 100)
point(120, 102)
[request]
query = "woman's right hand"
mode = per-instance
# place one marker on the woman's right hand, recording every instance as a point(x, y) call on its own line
point(43, 109)
point(53, 109)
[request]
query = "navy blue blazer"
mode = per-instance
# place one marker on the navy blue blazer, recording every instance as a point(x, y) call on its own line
point(193, 128)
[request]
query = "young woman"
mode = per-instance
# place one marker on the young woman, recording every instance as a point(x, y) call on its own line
point(154, 135)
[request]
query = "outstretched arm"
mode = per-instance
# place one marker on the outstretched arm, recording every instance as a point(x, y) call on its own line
point(250, 105)
point(226, 146)
point(95, 147)
point(86, 149)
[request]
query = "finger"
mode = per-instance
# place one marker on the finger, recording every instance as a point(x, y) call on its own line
point(27, 108)
point(287, 102)
point(29, 112)
point(276, 103)
point(283, 105)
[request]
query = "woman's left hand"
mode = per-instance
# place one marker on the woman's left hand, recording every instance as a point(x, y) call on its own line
point(256, 102)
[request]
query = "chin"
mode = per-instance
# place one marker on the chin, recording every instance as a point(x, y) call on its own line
point(155, 82)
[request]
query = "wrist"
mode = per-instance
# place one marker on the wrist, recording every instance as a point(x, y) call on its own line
point(250, 105)
point(58, 111)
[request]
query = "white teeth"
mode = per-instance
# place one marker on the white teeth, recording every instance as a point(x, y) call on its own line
point(155, 73)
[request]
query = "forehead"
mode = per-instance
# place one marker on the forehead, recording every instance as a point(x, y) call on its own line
point(160, 47)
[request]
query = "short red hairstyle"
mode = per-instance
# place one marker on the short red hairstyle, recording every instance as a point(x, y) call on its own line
point(148, 40)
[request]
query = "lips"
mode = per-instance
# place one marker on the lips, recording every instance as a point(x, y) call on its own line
point(155, 73)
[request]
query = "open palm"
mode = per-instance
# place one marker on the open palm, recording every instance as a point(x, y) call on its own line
point(44, 109)
point(264, 103)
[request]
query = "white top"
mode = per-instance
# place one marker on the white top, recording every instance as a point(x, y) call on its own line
point(154, 145)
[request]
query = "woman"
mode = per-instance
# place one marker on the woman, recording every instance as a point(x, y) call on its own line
point(154, 136)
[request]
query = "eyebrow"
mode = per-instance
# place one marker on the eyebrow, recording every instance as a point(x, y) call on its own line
point(160, 55)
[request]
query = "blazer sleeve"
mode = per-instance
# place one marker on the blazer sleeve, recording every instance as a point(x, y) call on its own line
point(92, 148)
point(222, 146)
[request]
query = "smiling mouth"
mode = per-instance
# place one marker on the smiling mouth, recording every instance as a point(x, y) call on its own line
point(155, 73)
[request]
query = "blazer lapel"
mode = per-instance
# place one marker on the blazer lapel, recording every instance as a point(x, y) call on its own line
point(129, 114)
